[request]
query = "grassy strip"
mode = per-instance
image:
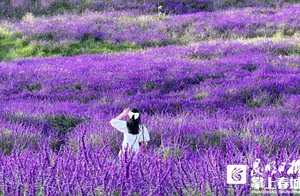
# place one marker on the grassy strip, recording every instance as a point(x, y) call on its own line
point(16, 46)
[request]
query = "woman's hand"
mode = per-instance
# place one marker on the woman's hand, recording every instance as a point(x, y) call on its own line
point(126, 111)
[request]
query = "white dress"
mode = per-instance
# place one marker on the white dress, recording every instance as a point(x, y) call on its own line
point(129, 139)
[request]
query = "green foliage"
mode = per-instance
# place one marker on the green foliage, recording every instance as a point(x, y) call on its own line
point(154, 43)
point(88, 46)
point(78, 86)
point(221, 4)
point(73, 143)
point(34, 86)
point(254, 103)
point(270, 144)
point(27, 51)
point(131, 92)
point(292, 1)
point(296, 50)
point(202, 78)
point(272, 97)
point(40, 189)
point(285, 51)
point(63, 124)
point(44, 36)
point(250, 68)
point(59, 7)
point(219, 138)
point(288, 32)
point(116, 193)
point(261, 32)
point(87, 98)
point(201, 95)
point(203, 56)
point(15, 46)
point(150, 85)
point(213, 138)
point(22, 42)
point(60, 125)
point(57, 143)
point(168, 152)
point(277, 37)
point(8, 141)
point(6, 43)
point(71, 87)
point(20, 118)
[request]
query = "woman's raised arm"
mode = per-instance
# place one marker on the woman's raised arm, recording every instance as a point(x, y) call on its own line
point(118, 123)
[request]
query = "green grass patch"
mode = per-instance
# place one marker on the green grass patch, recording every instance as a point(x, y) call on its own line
point(16, 46)
point(88, 46)
point(8, 43)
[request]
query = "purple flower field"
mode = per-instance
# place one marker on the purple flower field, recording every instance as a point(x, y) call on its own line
point(207, 104)
point(119, 27)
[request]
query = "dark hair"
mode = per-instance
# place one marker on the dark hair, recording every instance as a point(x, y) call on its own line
point(133, 124)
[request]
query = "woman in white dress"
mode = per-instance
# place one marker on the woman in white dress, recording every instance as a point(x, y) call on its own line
point(134, 132)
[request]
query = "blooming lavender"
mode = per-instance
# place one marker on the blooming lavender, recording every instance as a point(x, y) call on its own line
point(18, 8)
point(206, 105)
point(123, 26)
